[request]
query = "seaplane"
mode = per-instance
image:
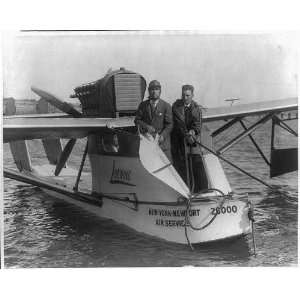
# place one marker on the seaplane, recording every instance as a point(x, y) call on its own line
point(131, 181)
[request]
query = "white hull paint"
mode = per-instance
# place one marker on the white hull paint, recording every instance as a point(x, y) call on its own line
point(167, 222)
point(155, 195)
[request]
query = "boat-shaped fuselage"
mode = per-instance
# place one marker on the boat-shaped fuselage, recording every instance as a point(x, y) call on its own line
point(133, 183)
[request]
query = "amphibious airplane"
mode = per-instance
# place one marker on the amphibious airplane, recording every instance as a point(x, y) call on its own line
point(131, 180)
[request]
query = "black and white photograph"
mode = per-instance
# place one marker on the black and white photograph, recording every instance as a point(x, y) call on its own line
point(149, 149)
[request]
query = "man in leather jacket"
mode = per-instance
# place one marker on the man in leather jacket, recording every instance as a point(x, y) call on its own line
point(154, 116)
point(187, 117)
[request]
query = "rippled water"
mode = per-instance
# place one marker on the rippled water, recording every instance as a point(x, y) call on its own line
point(41, 231)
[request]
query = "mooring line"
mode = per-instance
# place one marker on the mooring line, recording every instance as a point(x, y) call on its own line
point(187, 218)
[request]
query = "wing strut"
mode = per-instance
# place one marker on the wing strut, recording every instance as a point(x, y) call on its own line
point(225, 126)
point(233, 165)
point(75, 188)
point(64, 156)
point(282, 160)
point(255, 144)
point(68, 109)
point(285, 126)
point(245, 133)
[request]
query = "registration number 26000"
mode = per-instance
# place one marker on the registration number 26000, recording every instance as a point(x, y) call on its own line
point(224, 210)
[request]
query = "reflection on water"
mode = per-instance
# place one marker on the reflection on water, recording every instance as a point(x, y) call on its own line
point(41, 231)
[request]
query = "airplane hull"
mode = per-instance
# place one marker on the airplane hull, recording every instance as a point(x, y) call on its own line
point(167, 222)
point(211, 218)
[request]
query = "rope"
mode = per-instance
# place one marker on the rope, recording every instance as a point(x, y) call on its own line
point(190, 170)
point(251, 218)
point(187, 216)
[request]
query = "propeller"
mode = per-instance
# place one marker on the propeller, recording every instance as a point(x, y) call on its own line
point(68, 109)
point(61, 105)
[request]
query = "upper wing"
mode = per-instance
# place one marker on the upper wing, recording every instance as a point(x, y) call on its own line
point(45, 115)
point(243, 110)
point(37, 128)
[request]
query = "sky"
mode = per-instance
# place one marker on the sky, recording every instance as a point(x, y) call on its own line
point(252, 67)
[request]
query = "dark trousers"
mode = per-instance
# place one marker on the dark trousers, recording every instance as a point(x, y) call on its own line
point(188, 162)
point(167, 152)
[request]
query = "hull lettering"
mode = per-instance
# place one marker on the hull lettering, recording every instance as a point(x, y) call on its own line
point(173, 212)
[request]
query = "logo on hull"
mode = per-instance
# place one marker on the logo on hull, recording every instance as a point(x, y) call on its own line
point(120, 176)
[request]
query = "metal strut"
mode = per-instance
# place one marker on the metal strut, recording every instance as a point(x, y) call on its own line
point(255, 144)
point(284, 126)
point(273, 134)
point(245, 133)
point(225, 126)
point(75, 188)
point(233, 165)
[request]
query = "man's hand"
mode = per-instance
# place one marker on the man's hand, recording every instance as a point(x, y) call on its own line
point(190, 140)
point(150, 129)
point(192, 132)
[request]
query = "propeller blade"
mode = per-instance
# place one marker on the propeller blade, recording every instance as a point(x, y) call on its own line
point(64, 156)
point(61, 105)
